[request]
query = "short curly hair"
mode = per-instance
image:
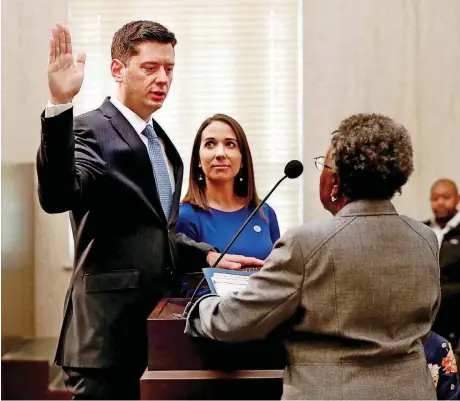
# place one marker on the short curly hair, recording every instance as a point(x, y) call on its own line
point(373, 155)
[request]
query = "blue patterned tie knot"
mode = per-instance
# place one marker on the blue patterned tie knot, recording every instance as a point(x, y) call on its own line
point(159, 168)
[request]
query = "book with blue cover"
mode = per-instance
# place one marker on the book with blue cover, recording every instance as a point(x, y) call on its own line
point(225, 281)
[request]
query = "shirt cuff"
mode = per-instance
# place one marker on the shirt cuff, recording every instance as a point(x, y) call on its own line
point(53, 110)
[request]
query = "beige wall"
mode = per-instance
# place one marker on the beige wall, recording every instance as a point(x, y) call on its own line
point(398, 57)
point(25, 32)
point(34, 236)
point(17, 251)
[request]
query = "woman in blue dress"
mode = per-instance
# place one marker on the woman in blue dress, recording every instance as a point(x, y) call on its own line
point(222, 193)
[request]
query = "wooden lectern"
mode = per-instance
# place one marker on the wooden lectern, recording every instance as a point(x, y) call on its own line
point(185, 368)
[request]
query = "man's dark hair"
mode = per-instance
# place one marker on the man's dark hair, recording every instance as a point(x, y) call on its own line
point(126, 39)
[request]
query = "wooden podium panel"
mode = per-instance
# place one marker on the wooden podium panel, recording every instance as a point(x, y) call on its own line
point(169, 348)
point(212, 385)
point(183, 367)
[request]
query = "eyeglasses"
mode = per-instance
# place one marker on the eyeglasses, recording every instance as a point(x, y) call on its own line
point(319, 163)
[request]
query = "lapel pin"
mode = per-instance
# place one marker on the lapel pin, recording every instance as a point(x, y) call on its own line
point(257, 229)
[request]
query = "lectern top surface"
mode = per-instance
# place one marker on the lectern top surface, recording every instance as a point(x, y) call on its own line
point(169, 308)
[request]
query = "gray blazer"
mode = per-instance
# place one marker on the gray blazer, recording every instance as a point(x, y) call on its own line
point(356, 293)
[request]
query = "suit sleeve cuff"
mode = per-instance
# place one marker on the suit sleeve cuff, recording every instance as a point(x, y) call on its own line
point(53, 110)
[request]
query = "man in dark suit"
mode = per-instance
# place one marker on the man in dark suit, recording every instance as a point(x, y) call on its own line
point(444, 200)
point(120, 176)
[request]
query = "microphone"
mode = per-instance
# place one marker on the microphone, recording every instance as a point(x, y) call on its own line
point(292, 170)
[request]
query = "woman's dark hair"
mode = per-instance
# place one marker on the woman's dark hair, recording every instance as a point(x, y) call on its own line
point(246, 189)
point(373, 155)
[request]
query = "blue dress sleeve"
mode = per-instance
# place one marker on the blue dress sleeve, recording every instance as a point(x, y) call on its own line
point(273, 223)
point(187, 222)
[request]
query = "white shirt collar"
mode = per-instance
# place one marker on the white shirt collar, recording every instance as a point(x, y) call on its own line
point(452, 223)
point(138, 123)
point(440, 232)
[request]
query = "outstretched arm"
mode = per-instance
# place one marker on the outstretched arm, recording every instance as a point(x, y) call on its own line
point(271, 297)
point(69, 159)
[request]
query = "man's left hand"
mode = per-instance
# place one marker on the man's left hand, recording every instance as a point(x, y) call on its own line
point(233, 262)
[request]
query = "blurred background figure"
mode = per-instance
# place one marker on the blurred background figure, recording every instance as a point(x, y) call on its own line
point(446, 224)
point(222, 194)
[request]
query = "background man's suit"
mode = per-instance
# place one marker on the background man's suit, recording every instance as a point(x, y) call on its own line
point(447, 322)
point(126, 254)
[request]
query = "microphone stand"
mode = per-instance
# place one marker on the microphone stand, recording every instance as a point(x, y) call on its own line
point(190, 303)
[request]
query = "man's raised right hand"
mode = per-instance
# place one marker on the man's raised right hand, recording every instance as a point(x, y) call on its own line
point(65, 76)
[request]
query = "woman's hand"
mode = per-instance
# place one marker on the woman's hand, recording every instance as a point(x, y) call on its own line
point(233, 262)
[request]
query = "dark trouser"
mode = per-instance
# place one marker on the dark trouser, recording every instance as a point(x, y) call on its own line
point(447, 322)
point(103, 384)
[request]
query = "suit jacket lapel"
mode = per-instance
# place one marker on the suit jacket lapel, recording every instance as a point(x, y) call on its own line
point(130, 136)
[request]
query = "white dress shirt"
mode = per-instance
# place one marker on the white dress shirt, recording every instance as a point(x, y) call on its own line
point(52, 110)
point(440, 232)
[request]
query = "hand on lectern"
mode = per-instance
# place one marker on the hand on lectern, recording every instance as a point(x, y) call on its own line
point(232, 262)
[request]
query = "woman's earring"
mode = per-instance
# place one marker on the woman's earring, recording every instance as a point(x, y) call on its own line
point(200, 177)
point(334, 198)
point(240, 179)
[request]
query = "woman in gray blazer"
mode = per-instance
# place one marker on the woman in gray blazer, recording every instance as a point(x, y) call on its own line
point(357, 292)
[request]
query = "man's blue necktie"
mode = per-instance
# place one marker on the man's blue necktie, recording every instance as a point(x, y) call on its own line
point(160, 169)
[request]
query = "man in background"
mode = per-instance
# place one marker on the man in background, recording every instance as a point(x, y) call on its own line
point(119, 175)
point(446, 224)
